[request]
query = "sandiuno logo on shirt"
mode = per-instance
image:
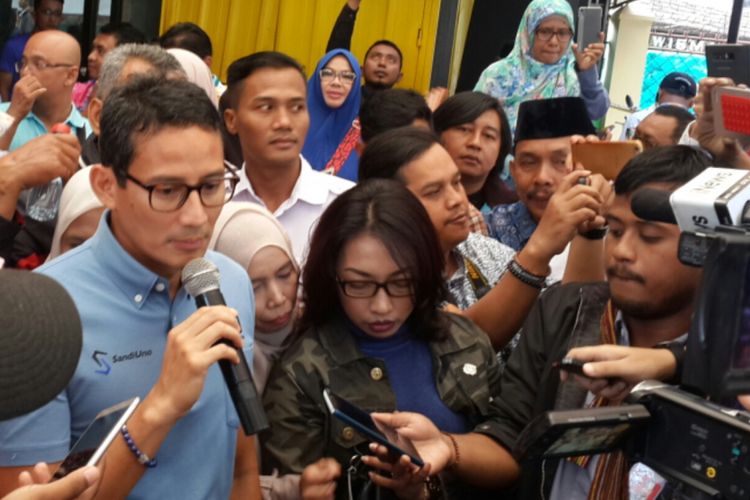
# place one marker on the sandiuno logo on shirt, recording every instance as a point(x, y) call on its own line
point(100, 359)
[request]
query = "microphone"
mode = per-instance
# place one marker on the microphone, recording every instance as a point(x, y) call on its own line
point(653, 205)
point(201, 280)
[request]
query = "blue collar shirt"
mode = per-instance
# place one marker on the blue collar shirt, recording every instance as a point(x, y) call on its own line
point(126, 313)
point(512, 225)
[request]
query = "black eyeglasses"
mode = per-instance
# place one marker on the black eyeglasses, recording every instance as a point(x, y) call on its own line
point(546, 34)
point(363, 289)
point(345, 77)
point(169, 196)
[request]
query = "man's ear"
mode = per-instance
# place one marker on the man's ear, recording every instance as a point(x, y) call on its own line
point(104, 184)
point(229, 120)
point(360, 147)
point(400, 76)
point(209, 60)
point(71, 77)
point(95, 114)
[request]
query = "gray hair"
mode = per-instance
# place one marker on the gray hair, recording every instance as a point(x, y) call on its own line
point(164, 65)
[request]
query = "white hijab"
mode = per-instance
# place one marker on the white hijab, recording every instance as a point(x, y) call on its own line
point(243, 229)
point(197, 72)
point(77, 198)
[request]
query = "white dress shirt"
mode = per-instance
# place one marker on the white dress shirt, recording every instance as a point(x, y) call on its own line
point(299, 214)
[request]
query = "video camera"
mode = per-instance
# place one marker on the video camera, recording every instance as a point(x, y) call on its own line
point(690, 439)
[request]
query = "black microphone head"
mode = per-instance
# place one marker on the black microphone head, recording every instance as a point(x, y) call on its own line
point(652, 205)
point(200, 276)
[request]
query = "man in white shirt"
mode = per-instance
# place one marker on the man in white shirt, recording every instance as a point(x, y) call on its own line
point(268, 111)
point(676, 89)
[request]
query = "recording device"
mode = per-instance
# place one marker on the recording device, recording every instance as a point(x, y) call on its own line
point(589, 26)
point(201, 280)
point(93, 443)
point(731, 107)
point(606, 157)
point(698, 441)
point(556, 434)
point(352, 415)
point(729, 61)
point(570, 365)
point(701, 445)
point(716, 202)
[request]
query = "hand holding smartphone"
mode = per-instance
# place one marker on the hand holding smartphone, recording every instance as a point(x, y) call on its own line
point(93, 443)
point(365, 425)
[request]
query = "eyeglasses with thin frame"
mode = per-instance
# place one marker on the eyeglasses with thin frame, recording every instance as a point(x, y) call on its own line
point(546, 34)
point(171, 196)
point(39, 64)
point(365, 289)
point(345, 77)
point(51, 13)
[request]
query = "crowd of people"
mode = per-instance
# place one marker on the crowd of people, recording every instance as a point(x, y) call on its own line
point(429, 259)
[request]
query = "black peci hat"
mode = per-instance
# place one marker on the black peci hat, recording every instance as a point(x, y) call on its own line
point(552, 118)
point(40, 341)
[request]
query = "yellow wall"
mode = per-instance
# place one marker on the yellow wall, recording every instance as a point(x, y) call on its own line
point(301, 28)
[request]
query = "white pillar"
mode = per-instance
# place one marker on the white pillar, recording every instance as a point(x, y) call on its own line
point(632, 30)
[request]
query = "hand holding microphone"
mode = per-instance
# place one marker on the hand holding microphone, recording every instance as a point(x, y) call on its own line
point(201, 280)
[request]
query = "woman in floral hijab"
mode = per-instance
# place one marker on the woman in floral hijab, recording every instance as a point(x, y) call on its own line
point(544, 63)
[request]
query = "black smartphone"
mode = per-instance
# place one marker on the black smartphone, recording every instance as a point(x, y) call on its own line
point(97, 437)
point(365, 425)
point(571, 365)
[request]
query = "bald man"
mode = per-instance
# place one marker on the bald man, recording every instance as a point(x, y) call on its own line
point(43, 95)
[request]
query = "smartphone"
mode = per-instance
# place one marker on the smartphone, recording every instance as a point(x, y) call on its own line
point(732, 109)
point(729, 61)
point(365, 425)
point(605, 158)
point(589, 26)
point(97, 437)
point(570, 365)
point(570, 433)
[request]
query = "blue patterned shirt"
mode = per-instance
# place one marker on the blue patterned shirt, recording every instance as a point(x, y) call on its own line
point(512, 225)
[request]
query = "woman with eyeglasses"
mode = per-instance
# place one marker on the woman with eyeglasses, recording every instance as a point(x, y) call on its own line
point(333, 100)
point(545, 63)
point(373, 335)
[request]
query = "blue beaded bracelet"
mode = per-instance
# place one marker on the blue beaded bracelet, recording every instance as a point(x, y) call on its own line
point(142, 458)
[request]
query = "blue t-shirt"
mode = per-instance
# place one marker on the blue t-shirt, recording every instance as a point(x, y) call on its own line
point(31, 126)
point(12, 54)
point(412, 377)
point(511, 225)
point(126, 314)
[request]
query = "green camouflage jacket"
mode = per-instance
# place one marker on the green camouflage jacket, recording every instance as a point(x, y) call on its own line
point(302, 430)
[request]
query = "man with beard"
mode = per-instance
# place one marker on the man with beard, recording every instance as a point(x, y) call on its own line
point(646, 302)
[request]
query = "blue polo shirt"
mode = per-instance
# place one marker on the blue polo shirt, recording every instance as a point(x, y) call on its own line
point(31, 126)
point(126, 314)
point(12, 53)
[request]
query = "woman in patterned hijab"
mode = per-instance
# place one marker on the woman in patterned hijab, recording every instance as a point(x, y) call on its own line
point(544, 63)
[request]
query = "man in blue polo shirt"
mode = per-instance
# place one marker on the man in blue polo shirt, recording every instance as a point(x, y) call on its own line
point(43, 95)
point(142, 333)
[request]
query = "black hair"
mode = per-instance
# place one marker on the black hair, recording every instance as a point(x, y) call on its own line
point(392, 108)
point(389, 44)
point(244, 67)
point(38, 3)
point(188, 36)
point(144, 106)
point(671, 165)
point(682, 115)
point(384, 156)
point(123, 32)
point(465, 107)
point(386, 210)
